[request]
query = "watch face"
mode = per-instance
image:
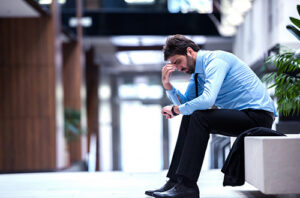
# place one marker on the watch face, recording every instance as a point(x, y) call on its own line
point(174, 113)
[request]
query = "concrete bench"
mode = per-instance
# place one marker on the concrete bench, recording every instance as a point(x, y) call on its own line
point(272, 164)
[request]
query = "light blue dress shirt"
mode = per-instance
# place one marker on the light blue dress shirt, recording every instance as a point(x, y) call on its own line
point(225, 81)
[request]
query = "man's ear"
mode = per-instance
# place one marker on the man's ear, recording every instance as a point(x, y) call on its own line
point(189, 51)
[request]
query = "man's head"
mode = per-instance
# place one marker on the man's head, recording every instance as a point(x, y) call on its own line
point(181, 52)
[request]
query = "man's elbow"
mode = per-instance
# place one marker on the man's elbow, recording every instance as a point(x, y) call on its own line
point(210, 102)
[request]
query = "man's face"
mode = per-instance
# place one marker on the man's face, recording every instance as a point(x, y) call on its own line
point(184, 63)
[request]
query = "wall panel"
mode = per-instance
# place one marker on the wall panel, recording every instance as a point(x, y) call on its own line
point(29, 74)
point(72, 75)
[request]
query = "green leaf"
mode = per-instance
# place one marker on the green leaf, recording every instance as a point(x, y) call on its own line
point(73, 129)
point(295, 21)
point(298, 9)
point(272, 86)
point(285, 81)
point(268, 78)
point(294, 31)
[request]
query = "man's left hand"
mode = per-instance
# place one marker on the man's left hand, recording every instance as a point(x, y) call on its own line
point(167, 111)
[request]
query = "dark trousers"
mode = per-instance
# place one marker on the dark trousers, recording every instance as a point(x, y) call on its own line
point(194, 134)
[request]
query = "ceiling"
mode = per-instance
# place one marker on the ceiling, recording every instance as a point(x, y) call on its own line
point(130, 37)
point(139, 53)
point(17, 8)
point(107, 23)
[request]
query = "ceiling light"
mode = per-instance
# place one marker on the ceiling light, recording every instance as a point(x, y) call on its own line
point(139, 1)
point(142, 57)
point(200, 6)
point(200, 40)
point(242, 6)
point(234, 19)
point(123, 58)
point(153, 40)
point(84, 21)
point(227, 30)
point(125, 40)
point(46, 2)
point(232, 15)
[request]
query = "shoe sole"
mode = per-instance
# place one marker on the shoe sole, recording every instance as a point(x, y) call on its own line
point(197, 196)
point(149, 194)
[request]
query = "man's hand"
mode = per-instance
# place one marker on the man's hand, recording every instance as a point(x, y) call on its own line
point(167, 111)
point(165, 75)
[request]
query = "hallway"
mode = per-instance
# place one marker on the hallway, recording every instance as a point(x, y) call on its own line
point(81, 88)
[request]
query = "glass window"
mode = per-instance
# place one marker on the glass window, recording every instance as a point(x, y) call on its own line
point(141, 87)
point(141, 137)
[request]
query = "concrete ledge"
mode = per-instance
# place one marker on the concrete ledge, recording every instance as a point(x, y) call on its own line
point(272, 164)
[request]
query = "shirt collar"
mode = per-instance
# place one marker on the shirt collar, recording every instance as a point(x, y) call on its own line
point(199, 67)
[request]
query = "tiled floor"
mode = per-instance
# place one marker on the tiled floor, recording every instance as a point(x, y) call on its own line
point(111, 185)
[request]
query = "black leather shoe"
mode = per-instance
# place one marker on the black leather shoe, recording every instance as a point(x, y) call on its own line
point(170, 184)
point(179, 191)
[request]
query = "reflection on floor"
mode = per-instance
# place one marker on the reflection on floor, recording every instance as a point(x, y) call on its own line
point(112, 185)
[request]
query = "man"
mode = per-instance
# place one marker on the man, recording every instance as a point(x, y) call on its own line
point(218, 78)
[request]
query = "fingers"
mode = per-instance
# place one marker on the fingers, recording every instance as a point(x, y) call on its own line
point(167, 70)
point(167, 113)
point(169, 66)
point(168, 116)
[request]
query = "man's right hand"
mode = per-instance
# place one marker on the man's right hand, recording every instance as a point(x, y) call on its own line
point(165, 75)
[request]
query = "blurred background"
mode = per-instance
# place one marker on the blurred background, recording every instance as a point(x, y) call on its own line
point(80, 81)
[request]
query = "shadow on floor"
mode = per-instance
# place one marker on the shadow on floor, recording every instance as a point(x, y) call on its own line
point(258, 194)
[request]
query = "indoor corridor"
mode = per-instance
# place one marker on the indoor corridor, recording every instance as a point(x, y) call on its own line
point(81, 95)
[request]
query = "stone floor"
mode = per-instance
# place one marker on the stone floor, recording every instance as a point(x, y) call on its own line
point(112, 185)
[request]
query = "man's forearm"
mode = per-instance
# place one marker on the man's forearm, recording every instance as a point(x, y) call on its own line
point(167, 86)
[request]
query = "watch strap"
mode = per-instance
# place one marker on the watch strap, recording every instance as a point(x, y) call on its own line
point(173, 112)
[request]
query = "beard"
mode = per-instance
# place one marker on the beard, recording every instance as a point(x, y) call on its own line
point(190, 64)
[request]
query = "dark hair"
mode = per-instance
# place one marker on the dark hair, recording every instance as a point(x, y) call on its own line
point(177, 44)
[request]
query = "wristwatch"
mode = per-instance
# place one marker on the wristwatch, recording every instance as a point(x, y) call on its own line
point(173, 112)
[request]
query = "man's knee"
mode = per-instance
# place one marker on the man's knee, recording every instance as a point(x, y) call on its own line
point(199, 119)
point(199, 115)
point(186, 116)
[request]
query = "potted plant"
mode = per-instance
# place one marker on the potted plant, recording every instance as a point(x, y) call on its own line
point(286, 81)
point(72, 124)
